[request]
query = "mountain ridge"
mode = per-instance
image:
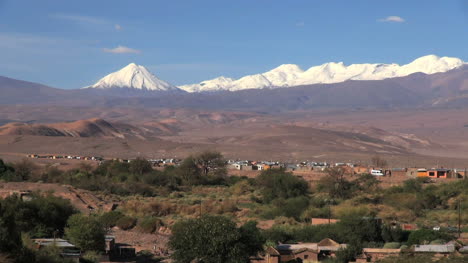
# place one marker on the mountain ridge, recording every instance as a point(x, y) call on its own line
point(290, 75)
point(133, 76)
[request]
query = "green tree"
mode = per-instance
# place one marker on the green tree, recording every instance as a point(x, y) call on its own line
point(425, 236)
point(85, 232)
point(349, 253)
point(41, 216)
point(5, 168)
point(335, 184)
point(280, 184)
point(109, 219)
point(25, 169)
point(357, 230)
point(140, 166)
point(213, 239)
point(210, 163)
point(189, 172)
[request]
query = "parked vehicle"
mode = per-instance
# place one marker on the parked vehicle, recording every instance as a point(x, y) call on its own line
point(377, 172)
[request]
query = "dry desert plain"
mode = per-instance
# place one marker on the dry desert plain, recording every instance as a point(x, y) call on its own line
point(405, 137)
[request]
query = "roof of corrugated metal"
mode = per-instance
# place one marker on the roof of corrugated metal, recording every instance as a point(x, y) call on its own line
point(435, 248)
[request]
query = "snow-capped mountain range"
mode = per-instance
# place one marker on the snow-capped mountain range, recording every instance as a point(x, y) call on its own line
point(288, 75)
point(134, 76)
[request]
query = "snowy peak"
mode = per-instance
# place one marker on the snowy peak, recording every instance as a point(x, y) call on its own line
point(209, 85)
point(133, 76)
point(289, 75)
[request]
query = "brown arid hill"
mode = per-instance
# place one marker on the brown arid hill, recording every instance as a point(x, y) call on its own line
point(83, 200)
point(96, 128)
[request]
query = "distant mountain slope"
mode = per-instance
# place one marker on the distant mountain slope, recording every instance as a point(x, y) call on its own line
point(134, 77)
point(82, 128)
point(290, 75)
point(413, 91)
point(15, 91)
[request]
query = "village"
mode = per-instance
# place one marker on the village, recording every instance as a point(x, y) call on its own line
point(304, 166)
point(323, 250)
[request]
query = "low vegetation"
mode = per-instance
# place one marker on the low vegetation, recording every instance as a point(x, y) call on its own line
point(369, 216)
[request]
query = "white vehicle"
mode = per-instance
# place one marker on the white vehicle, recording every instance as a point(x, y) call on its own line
point(377, 172)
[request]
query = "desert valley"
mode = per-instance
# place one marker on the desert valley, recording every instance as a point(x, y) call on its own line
point(233, 131)
point(415, 118)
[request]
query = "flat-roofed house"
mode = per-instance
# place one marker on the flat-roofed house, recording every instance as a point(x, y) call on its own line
point(436, 250)
point(438, 173)
point(67, 250)
point(302, 251)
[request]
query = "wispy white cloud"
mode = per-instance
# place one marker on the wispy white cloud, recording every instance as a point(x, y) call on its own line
point(81, 19)
point(121, 50)
point(87, 21)
point(394, 19)
point(32, 43)
point(300, 24)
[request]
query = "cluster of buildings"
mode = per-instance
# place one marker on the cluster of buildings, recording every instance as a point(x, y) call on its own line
point(70, 157)
point(248, 165)
point(114, 252)
point(328, 248)
point(351, 168)
point(165, 162)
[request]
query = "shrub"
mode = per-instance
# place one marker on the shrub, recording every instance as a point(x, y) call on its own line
point(425, 236)
point(110, 219)
point(149, 224)
point(392, 245)
point(85, 232)
point(280, 184)
point(91, 257)
point(126, 223)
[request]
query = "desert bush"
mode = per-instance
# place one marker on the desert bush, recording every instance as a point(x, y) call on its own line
point(160, 208)
point(110, 219)
point(149, 224)
point(425, 236)
point(126, 223)
point(391, 245)
point(241, 188)
point(91, 257)
point(276, 184)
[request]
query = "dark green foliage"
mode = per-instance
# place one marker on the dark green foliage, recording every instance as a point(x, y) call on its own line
point(349, 253)
point(358, 230)
point(41, 217)
point(335, 184)
point(210, 163)
point(134, 178)
point(140, 166)
point(149, 224)
point(24, 169)
point(126, 222)
point(415, 258)
point(394, 234)
point(4, 168)
point(85, 232)
point(280, 184)
point(7, 172)
point(425, 236)
point(213, 239)
point(110, 219)
point(352, 230)
point(10, 239)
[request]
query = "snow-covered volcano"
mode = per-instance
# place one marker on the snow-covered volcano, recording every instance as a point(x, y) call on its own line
point(136, 77)
point(289, 75)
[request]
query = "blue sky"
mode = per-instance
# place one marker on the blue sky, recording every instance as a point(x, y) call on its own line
point(71, 44)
